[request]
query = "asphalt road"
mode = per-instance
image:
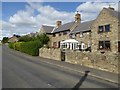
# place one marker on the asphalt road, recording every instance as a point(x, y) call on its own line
point(24, 71)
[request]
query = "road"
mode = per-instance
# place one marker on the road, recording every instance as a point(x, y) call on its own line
point(24, 71)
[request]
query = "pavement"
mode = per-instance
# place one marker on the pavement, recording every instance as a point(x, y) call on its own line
point(24, 71)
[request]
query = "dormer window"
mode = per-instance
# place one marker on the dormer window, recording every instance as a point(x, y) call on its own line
point(81, 34)
point(73, 35)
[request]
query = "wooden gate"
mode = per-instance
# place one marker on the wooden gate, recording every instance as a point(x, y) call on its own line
point(118, 46)
point(62, 55)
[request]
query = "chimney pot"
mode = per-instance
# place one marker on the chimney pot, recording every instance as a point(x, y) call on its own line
point(78, 17)
point(111, 7)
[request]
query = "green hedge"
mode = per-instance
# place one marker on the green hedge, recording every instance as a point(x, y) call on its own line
point(11, 45)
point(31, 48)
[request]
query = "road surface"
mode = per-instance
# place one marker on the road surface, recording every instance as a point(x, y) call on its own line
point(24, 71)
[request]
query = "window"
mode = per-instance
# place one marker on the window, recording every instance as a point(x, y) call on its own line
point(107, 44)
point(81, 34)
point(54, 35)
point(104, 44)
point(101, 44)
point(65, 32)
point(59, 34)
point(104, 28)
point(101, 29)
point(107, 28)
point(54, 44)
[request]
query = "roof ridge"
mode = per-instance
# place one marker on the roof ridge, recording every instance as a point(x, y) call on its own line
point(47, 26)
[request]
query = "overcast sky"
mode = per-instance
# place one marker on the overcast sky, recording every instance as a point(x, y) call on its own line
point(27, 17)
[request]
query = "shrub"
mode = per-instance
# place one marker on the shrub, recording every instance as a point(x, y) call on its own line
point(43, 38)
point(11, 45)
point(30, 45)
point(5, 40)
point(17, 46)
point(25, 38)
point(31, 48)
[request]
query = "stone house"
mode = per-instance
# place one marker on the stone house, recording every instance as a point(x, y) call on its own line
point(96, 35)
point(46, 29)
point(77, 30)
point(32, 34)
point(99, 36)
point(14, 38)
point(105, 32)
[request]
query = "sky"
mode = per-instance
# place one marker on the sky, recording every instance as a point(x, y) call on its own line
point(26, 17)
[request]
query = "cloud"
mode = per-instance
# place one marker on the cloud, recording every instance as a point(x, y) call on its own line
point(26, 21)
point(90, 10)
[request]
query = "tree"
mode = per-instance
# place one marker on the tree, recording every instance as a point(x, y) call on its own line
point(5, 40)
point(43, 38)
point(25, 38)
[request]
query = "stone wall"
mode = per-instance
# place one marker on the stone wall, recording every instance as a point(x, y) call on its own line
point(107, 62)
point(50, 53)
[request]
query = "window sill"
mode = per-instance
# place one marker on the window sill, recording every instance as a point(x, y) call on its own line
point(103, 32)
point(104, 49)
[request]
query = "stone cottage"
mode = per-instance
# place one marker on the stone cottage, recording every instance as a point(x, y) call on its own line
point(81, 32)
point(105, 32)
point(13, 39)
point(99, 35)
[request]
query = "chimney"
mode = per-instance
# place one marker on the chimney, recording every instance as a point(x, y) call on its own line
point(58, 23)
point(111, 8)
point(77, 17)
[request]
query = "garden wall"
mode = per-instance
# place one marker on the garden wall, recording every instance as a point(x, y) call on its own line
point(50, 53)
point(107, 62)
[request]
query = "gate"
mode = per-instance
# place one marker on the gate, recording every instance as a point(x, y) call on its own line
point(62, 55)
point(118, 46)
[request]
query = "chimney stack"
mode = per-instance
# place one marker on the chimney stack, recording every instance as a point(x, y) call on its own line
point(77, 17)
point(58, 23)
point(111, 8)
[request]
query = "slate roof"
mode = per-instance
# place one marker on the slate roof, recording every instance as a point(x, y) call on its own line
point(82, 27)
point(64, 27)
point(48, 29)
point(85, 26)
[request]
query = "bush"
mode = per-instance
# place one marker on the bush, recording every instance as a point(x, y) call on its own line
point(5, 40)
point(31, 48)
point(25, 39)
point(30, 45)
point(11, 45)
point(17, 46)
point(43, 38)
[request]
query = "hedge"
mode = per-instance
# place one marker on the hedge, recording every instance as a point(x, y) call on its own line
point(11, 45)
point(31, 48)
